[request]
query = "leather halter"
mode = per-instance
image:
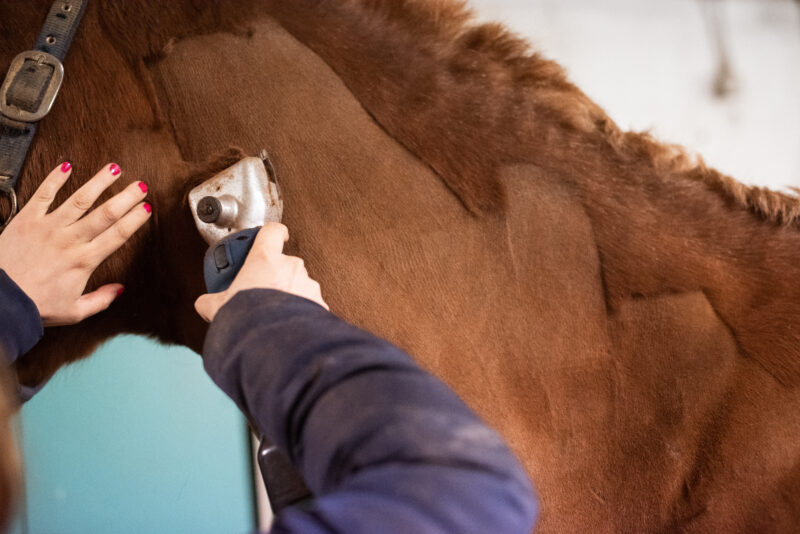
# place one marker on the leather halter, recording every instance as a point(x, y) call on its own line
point(29, 91)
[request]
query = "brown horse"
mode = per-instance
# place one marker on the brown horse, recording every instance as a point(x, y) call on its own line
point(625, 316)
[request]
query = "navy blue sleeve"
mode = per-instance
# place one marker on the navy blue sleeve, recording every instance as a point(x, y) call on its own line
point(20, 324)
point(20, 328)
point(386, 447)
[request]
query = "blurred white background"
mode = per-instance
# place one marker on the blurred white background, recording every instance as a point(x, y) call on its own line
point(655, 65)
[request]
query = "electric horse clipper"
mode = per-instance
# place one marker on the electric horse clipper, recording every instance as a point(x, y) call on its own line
point(229, 210)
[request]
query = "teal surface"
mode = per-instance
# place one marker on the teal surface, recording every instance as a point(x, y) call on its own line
point(137, 439)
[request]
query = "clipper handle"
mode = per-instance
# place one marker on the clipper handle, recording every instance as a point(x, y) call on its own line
point(225, 258)
point(285, 486)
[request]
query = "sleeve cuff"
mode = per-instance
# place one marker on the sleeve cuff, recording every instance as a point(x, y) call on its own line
point(248, 309)
point(20, 323)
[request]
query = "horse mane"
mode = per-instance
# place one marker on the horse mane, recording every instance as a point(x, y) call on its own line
point(455, 27)
point(488, 55)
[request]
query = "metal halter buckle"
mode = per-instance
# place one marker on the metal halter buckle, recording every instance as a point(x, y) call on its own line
point(40, 58)
point(7, 190)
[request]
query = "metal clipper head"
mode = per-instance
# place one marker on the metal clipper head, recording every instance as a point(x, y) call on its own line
point(245, 195)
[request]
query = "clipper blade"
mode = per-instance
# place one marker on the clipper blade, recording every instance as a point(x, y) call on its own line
point(242, 196)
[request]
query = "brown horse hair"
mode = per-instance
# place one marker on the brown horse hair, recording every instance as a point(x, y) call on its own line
point(465, 53)
point(766, 204)
point(452, 25)
point(452, 19)
point(658, 418)
point(515, 53)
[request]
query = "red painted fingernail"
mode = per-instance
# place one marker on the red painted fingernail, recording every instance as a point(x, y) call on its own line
point(143, 187)
point(148, 208)
point(120, 291)
point(66, 166)
point(115, 170)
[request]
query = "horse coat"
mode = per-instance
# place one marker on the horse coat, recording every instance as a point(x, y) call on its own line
point(626, 317)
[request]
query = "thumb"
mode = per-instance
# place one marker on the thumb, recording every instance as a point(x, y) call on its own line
point(93, 303)
point(207, 306)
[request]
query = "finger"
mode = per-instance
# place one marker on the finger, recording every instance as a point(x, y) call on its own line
point(315, 293)
point(85, 197)
point(206, 307)
point(298, 265)
point(93, 303)
point(108, 214)
point(105, 244)
point(271, 237)
point(297, 270)
point(49, 188)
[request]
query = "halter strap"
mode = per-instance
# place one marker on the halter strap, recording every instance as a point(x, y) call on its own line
point(30, 89)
